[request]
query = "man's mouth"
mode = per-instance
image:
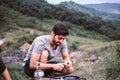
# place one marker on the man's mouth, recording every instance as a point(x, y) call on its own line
point(58, 43)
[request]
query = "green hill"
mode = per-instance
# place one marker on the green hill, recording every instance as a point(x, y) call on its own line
point(42, 9)
point(113, 8)
point(18, 26)
point(102, 10)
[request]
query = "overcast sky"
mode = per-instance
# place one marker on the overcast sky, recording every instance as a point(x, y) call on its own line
point(85, 1)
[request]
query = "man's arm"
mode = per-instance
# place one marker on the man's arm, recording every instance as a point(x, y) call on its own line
point(43, 66)
point(35, 59)
point(6, 75)
point(2, 41)
point(66, 58)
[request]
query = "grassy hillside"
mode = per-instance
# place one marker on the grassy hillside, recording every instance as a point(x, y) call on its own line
point(102, 68)
point(19, 28)
point(15, 25)
point(42, 9)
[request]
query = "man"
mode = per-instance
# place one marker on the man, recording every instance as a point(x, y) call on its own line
point(3, 70)
point(46, 47)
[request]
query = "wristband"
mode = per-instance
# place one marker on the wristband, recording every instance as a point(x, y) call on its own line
point(37, 65)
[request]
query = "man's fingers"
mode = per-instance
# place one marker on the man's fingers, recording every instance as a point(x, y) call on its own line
point(59, 66)
point(67, 63)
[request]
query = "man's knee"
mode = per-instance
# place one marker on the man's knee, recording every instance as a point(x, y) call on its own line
point(44, 56)
point(45, 53)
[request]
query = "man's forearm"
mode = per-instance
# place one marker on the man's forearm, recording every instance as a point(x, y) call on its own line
point(44, 66)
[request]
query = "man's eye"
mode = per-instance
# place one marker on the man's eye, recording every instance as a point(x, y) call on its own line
point(61, 38)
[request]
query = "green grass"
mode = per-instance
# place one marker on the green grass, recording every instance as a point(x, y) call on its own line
point(17, 73)
point(97, 71)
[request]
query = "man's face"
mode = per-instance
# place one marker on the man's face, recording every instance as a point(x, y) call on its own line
point(58, 39)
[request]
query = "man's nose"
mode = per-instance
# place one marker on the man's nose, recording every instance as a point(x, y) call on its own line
point(61, 40)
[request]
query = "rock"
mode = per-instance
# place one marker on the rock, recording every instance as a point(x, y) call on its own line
point(93, 58)
point(77, 54)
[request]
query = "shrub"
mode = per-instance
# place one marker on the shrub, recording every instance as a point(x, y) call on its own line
point(113, 67)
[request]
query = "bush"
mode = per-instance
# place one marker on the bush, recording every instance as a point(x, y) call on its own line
point(113, 67)
point(25, 39)
point(74, 46)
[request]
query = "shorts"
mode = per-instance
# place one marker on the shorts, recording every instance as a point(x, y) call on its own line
point(27, 70)
point(30, 72)
point(2, 66)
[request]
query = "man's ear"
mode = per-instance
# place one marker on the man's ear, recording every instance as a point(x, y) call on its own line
point(52, 33)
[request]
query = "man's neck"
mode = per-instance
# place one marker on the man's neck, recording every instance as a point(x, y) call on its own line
point(52, 44)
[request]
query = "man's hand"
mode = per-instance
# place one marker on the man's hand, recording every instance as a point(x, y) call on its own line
point(2, 41)
point(58, 67)
point(67, 63)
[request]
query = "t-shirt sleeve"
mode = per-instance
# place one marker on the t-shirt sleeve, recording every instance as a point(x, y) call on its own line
point(64, 47)
point(38, 46)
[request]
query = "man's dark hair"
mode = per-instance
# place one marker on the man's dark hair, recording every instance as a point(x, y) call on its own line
point(60, 29)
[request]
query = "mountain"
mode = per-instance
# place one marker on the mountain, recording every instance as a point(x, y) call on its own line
point(106, 7)
point(90, 11)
